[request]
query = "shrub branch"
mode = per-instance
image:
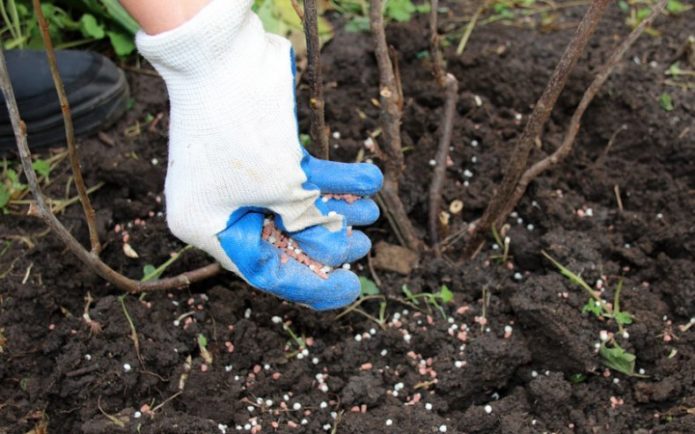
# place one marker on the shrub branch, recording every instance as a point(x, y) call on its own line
point(568, 141)
point(89, 214)
point(516, 165)
point(391, 102)
point(449, 84)
point(319, 130)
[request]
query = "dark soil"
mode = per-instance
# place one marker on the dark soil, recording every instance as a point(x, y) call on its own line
point(545, 377)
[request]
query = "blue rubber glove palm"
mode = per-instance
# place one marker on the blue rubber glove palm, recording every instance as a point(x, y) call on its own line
point(261, 263)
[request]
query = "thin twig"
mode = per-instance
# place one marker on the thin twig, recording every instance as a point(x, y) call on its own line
point(618, 199)
point(89, 213)
point(441, 158)
point(517, 161)
point(298, 9)
point(390, 117)
point(449, 83)
point(319, 130)
point(435, 52)
point(575, 123)
point(44, 212)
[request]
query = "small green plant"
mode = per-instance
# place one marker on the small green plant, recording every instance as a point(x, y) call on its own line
point(357, 12)
point(279, 17)
point(621, 317)
point(616, 358)
point(613, 355)
point(577, 378)
point(504, 244)
point(596, 305)
point(10, 187)
point(43, 168)
point(203, 347)
point(666, 102)
point(403, 10)
point(71, 24)
point(638, 10)
point(150, 272)
point(299, 341)
point(443, 296)
point(368, 287)
point(368, 291)
point(602, 306)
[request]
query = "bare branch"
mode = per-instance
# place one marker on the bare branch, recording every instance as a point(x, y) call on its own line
point(390, 117)
point(439, 174)
point(450, 85)
point(518, 159)
point(298, 9)
point(44, 211)
point(568, 141)
point(319, 130)
point(89, 214)
point(435, 51)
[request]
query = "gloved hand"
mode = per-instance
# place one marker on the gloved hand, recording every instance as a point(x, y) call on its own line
point(235, 157)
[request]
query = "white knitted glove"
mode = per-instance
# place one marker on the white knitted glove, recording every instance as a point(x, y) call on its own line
point(234, 150)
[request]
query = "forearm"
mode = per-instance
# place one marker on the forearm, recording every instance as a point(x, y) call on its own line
point(157, 16)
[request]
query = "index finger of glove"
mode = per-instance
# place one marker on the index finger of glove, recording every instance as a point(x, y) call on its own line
point(360, 179)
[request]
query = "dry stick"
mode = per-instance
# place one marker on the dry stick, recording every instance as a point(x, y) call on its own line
point(450, 85)
point(575, 123)
point(319, 130)
point(391, 111)
point(298, 9)
point(69, 130)
point(435, 52)
point(439, 173)
point(517, 161)
point(43, 210)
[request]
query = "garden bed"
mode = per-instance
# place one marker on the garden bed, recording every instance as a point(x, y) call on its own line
point(513, 352)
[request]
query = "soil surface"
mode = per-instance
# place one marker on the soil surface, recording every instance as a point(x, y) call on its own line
point(512, 353)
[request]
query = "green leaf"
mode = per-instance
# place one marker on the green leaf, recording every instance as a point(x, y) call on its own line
point(305, 139)
point(592, 306)
point(574, 278)
point(643, 13)
point(202, 341)
point(91, 28)
point(4, 196)
point(676, 6)
point(445, 294)
point(622, 4)
point(577, 378)
point(622, 318)
point(122, 44)
point(368, 287)
point(409, 294)
point(399, 10)
point(42, 167)
point(357, 25)
point(618, 359)
point(116, 12)
point(666, 102)
point(674, 70)
point(149, 272)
